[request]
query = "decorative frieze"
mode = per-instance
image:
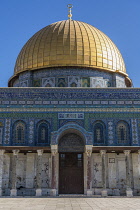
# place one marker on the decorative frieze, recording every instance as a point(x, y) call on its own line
point(11, 94)
point(70, 115)
point(72, 102)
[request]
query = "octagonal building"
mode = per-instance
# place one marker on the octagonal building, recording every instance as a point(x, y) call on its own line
point(69, 121)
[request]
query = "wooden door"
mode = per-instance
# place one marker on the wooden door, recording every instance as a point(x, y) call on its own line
point(71, 179)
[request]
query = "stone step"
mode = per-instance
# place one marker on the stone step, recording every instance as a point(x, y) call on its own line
point(77, 196)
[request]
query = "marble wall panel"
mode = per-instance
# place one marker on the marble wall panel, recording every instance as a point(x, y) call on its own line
point(21, 171)
point(97, 171)
point(112, 170)
point(46, 171)
point(30, 170)
point(136, 170)
point(121, 171)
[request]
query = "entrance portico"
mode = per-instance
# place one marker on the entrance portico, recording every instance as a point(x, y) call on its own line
point(74, 160)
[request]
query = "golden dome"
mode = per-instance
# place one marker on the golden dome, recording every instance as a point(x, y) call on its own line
point(70, 43)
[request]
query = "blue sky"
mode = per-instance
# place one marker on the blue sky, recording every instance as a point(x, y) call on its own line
point(20, 19)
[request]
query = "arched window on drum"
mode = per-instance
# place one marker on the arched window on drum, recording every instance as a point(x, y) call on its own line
point(99, 133)
point(19, 131)
point(122, 131)
point(43, 132)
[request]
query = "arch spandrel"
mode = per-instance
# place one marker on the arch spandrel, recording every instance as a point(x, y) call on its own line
point(72, 128)
point(71, 142)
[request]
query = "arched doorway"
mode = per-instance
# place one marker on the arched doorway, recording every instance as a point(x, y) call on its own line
point(71, 172)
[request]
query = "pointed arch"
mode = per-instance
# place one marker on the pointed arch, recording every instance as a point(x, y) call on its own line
point(19, 132)
point(99, 132)
point(122, 131)
point(42, 132)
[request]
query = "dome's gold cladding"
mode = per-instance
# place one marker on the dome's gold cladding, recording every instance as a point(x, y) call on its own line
point(70, 43)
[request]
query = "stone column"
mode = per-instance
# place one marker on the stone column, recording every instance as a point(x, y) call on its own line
point(88, 151)
point(104, 173)
point(1, 168)
point(54, 152)
point(139, 162)
point(14, 174)
point(39, 172)
point(129, 192)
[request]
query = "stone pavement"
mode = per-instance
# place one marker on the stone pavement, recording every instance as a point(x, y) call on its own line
point(57, 203)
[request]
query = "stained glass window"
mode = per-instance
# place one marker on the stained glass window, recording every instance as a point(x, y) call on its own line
point(73, 84)
point(122, 132)
point(99, 133)
point(61, 82)
point(43, 133)
point(85, 82)
point(19, 133)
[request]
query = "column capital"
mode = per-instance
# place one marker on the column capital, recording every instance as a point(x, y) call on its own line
point(102, 152)
point(127, 152)
point(88, 150)
point(2, 151)
point(54, 149)
point(40, 152)
point(15, 151)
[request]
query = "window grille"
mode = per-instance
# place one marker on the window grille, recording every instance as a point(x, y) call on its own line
point(43, 133)
point(19, 133)
point(122, 133)
point(61, 82)
point(99, 133)
point(73, 84)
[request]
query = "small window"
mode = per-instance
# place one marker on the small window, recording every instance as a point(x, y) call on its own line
point(99, 133)
point(73, 84)
point(43, 133)
point(85, 82)
point(48, 85)
point(122, 133)
point(37, 83)
point(61, 82)
point(19, 133)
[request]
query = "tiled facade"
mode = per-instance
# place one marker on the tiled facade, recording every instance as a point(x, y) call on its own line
point(71, 77)
point(69, 120)
point(64, 110)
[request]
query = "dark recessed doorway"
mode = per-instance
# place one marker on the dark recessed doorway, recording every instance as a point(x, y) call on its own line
point(71, 179)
